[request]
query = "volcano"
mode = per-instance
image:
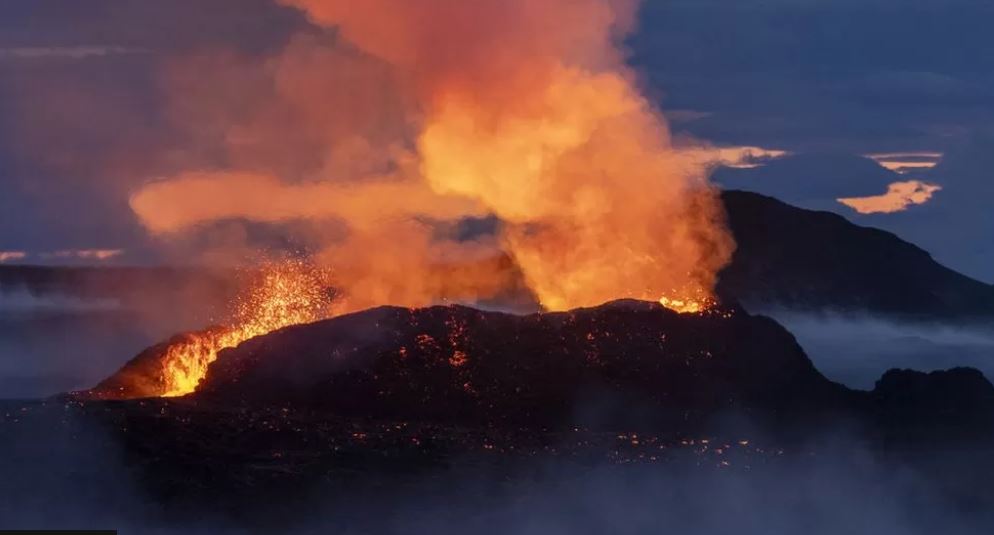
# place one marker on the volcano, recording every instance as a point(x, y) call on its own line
point(457, 364)
point(621, 365)
point(453, 363)
point(363, 402)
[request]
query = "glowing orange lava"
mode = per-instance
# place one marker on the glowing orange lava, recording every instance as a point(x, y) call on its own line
point(287, 294)
point(686, 306)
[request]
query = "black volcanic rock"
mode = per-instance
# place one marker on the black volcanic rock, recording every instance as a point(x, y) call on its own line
point(818, 260)
point(621, 363)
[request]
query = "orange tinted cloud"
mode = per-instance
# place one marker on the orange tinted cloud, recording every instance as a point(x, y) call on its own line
point(196, 198)
point(907, 162)
point(899, 196)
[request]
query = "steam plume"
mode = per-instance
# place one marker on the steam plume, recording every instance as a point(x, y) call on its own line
point(418, 113)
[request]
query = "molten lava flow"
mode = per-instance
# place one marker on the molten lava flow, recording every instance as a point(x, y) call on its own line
point(287, 294)
point(687, 306)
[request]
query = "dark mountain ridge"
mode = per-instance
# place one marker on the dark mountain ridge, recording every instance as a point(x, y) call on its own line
point(804, 259)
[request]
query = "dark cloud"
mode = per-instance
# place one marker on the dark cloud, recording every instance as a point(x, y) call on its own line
point(921, 89)
point(817, 74)
point(82, 118)
point(171, 26)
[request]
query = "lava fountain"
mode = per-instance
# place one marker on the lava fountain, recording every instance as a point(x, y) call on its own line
point(289, 293)
point(280, 295)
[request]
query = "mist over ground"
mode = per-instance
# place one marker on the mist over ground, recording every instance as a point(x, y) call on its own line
point(54, 345)
point(56, 342)
point(72, 474)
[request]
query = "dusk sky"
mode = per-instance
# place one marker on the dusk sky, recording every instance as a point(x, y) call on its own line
point(84, 119)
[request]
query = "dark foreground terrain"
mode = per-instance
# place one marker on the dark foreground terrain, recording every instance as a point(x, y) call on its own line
point(622, 419)
point(180, 466)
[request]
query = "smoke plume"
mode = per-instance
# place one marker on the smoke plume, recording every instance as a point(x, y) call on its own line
point(397, 118)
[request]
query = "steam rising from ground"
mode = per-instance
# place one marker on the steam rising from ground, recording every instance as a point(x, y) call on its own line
point(398, 118)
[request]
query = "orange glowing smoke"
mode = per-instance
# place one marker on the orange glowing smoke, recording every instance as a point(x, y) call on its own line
point(290, 293)
point(411, 116)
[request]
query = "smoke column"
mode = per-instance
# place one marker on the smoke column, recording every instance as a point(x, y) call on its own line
point(396, 118)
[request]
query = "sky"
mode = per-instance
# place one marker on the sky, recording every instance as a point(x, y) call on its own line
point(828, 82)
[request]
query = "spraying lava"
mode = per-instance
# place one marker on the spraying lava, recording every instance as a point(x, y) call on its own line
point(289, 293)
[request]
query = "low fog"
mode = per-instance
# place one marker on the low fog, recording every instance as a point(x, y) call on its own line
point(71, 475)
point(55, 342)
point(856, 348)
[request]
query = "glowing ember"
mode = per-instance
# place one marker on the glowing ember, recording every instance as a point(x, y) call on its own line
point(287, 294)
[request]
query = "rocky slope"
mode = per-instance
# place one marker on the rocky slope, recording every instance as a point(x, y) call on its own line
point(616, 364)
